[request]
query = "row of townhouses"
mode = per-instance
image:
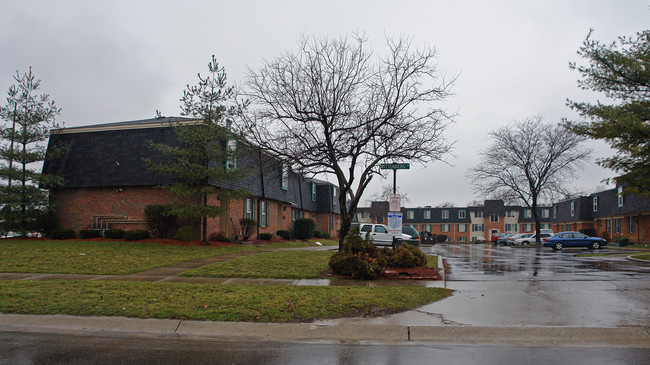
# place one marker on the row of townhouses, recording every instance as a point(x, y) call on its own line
point(607, 211)
point(108, 184)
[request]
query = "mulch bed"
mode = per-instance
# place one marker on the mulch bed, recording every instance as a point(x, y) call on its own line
point(411, 273)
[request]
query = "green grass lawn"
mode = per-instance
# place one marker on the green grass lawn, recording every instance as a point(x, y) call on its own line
point(251, 303)
point(107, 257)
point(276, 265)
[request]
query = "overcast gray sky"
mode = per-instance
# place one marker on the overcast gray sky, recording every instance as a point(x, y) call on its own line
point(109, 61)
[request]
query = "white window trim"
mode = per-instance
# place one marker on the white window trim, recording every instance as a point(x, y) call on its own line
point(445, 214)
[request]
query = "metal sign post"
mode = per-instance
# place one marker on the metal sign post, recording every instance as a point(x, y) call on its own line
point(395, 214)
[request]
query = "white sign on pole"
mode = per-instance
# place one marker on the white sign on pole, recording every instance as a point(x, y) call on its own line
point(394, 223)
point(395, 203)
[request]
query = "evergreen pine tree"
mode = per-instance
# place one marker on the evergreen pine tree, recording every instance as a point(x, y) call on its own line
point(27, 119)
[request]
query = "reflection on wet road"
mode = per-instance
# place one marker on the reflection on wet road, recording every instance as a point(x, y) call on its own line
point(485, 262)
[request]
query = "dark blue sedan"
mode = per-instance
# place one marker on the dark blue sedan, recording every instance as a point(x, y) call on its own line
point(573, 239)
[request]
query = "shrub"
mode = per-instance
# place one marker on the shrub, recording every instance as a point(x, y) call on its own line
point(325, 234)
point(247, 228)
point(589, 232)
point(114, 233)
point(318, 234)
point(266, 236)
point(354, 243)
point(284, 234)
point(136, 235)
point(219, 236)
point(185, 233)
point(622, 239)
point(89, 233)
point(160, 219)
point(303, 228)
point(441, 238)
point(360, 265)
point(403, 256)
point(62, 234)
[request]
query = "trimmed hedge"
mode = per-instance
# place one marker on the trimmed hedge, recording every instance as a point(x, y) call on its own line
point(284, 234)
point(266, 236)
point(115, 234)
point(136, 234)
point(62, 234)
point(303, 228)
point(89, 233)
point(441, 238)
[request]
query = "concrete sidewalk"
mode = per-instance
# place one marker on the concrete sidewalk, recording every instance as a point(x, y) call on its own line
point(348, 333)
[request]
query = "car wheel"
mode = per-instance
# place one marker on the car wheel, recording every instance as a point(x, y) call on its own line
point(558, 246)
point(524, 243)
point(595, 245)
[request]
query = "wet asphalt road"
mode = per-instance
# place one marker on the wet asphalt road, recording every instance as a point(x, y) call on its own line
point(26, 348)
point(487, 262)
point(506, 286)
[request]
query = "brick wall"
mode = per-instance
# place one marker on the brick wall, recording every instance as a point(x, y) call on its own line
point(80, 208)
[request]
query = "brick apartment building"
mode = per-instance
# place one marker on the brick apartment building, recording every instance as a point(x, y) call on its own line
point(606, 211)
point(108, 184)
point(462, 224)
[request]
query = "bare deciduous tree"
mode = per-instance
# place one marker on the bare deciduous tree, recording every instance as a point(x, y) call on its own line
point(385, 193)
point(529, 160)
point(332, 108)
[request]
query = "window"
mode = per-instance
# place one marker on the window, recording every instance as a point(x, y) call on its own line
point(478, 228)
point(231, 148)
point(630, 224)
point(334, 199)
point(527, 213)
point(595, 202)
point(608, 225)
point(444, 227)
point(426, 214)
point(445, 214)
point(381, 229)
point(285, 176)
point(249, 208)
point(410, 214)
point(617, 225)
point(313, 191)
point(555, 211)
point(462, 239)
point(573, 208)
point(462, 228)
point(461, 214)
point(620, 196)
point(527, 227)
point(426, 227)
point(494, 218)
point(511, 227)
point(264, 214)
point(510, 213)
point(544, 213)
point(478, 214)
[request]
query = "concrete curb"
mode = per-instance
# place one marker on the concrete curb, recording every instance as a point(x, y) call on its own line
point(356, 333)
point(631, 258)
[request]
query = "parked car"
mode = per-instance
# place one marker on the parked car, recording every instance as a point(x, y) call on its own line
point(412, 232)
point(573, 239)
point(514, 237)
point(378, 234)
point(496, 236)
point(479, 239)
point(503, 240)
point(531, 239)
